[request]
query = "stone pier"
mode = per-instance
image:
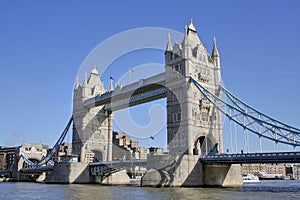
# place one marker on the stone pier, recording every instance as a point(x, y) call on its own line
point(69, 173)
point(189, 171)
point(78, 172)
point(173, 170)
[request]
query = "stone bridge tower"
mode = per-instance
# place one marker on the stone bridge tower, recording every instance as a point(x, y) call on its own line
point(194, 125)
point(92, 131)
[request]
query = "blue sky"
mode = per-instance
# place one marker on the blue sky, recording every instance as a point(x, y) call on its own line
point(42, 45)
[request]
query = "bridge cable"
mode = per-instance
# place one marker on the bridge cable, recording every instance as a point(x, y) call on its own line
point(47, 159)
point(240, 103)
point(283, 130)
point(231, 138)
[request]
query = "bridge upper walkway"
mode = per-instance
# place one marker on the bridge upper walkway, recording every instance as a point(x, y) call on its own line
point(142, 91)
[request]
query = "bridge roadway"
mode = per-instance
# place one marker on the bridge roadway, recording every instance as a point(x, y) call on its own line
point(107, 168)
point(36, 169)
point(5, 173)
point(278, 157)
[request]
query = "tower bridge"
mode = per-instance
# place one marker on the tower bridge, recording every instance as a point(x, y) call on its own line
point(192, 86)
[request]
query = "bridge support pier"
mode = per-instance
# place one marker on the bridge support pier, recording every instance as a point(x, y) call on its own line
point(173, 170)
point(188, 171)
point(117, 178)
point(69, 173)
point(223, 175)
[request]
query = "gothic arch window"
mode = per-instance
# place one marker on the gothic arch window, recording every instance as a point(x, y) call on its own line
point(178, 67)
point(179, 116)
point(174, 97)
point(194, 52)
point(174, 116)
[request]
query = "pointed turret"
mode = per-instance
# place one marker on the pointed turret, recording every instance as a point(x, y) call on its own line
point(185, 38)
point(111, 87)
point(76, 83)
point(169, 50)
point(84, 81)
point(169, 45)
point(85, 91)
point(215, 54)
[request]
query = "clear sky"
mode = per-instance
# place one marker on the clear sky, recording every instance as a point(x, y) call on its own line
point(42, 45)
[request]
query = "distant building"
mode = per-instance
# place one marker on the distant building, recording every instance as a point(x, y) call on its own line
point(124, 148)
point(7, 156)
point(64, 153)
point(33, 151)
point(296, 171)
point(263, 168)
point(156, 150)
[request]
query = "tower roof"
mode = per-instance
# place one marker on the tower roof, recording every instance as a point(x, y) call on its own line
point(191, 37)
point(191, 26)
point(95, 71)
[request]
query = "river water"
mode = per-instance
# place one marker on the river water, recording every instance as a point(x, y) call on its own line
point(283, 190)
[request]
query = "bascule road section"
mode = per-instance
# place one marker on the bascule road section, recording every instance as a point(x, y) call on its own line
point(191, 84)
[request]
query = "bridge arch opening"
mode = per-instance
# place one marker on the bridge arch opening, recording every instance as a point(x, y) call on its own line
point(204, 145)
point(98, 156)
point(25, 165)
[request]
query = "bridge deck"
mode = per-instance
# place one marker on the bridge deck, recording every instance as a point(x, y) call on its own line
point(106, 168)
point(279, 157)
point(36, 170)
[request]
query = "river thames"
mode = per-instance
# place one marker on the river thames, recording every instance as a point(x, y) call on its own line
point(288, 189)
